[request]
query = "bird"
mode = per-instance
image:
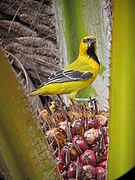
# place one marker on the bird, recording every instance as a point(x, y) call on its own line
point(76, 76)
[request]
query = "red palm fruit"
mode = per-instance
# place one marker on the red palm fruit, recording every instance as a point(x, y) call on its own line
point(88, 157)
point(107, 147)
point(81, 142)
point(79, 169)
point(88, 172)
point(100, 173)
point(77, 127)
point(105, 131)
point(103, 164)
point(91, 135)
point(72, 170)
point(102, 120)
point(95, 147)
point(101, 132)
point(106, 153)
point(69, 153)
point(92, 123)
point(60, 163)
point(106, 139)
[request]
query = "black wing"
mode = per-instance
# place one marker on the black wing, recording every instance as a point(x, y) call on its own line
point(68, 76)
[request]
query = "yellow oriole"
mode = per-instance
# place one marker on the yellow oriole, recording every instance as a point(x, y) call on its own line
point(76, 76)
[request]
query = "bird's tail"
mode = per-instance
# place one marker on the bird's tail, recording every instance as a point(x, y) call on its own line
point(34, 92)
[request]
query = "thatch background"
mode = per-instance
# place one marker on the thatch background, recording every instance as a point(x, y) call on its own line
point(28, 31)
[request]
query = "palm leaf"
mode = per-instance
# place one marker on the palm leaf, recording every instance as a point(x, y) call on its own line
point(24, 150)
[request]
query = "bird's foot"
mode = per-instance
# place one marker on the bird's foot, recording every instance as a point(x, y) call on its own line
point(93, 105)
point(64, 106)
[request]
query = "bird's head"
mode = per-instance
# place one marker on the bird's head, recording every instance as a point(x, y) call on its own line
point(88, 45)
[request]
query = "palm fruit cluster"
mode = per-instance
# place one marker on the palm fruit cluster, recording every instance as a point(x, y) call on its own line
point(79, 137)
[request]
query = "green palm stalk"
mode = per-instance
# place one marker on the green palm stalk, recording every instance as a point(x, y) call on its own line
point(122, 97)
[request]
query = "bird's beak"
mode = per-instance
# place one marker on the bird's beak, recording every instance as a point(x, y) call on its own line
point(93, 39)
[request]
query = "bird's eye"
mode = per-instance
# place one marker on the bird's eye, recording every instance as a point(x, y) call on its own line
point(86, 40)
point(92, 39)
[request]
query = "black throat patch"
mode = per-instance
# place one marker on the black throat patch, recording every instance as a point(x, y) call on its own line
point(91, 53)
